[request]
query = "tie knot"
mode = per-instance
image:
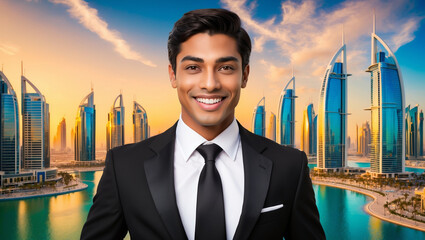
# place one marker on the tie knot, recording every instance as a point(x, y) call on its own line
point(209, 152)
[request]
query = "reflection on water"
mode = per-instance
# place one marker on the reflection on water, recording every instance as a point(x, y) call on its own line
point(63, 216)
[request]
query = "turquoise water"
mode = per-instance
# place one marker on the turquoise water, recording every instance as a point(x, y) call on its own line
point(367, 165)
point(62, 217)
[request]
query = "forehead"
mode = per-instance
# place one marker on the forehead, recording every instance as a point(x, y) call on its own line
point(209, 47)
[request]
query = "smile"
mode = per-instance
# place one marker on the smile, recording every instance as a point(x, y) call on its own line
point(209, 100)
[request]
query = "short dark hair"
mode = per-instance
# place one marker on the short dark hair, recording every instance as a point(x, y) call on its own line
point(211, 21)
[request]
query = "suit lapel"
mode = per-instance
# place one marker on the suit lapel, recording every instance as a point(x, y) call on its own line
point(160, 177)
point(258, 170)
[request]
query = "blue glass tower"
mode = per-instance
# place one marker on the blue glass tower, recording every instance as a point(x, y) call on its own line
point(140, 123)
point(85, 130)
point(414, 132)
point(308, 131)
point(387, 111)
point(115, 125)
point(35, 128)
point(286, 114)
point(259, 118)
point(332, 115)
point(9, 128)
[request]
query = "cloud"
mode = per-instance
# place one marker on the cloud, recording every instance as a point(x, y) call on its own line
point(258, 44)
point(8, 49)
point(406, 35)
point(88, 17)
point(274, 73)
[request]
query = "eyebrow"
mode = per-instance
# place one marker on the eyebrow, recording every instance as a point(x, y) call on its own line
point(200, 60)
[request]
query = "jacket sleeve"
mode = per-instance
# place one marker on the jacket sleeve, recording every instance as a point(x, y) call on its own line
point(304, 221)
point(105, 219)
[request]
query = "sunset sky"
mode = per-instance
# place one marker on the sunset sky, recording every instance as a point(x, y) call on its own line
point(67, 46)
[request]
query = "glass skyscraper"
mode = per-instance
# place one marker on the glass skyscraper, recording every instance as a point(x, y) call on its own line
point(35, 128)
point(259, 118)
point(85, 130)
point(308, 131)
point(387, 111)
point(140, 123)
point(286, 114)
point(414, 132)
point(115, 125)
point(332, 115)
point(271, 132)
point(9, 128)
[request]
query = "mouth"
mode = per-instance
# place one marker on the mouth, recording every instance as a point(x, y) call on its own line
point(209, 101)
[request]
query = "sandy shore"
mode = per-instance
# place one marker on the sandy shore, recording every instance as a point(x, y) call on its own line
point(81, 169)
point(376, 207)
point(79, 186)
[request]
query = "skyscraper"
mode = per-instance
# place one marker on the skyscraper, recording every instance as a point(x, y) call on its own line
point(259, 118)
point(286, 114)
point(387, 111)
point(332, 115)
point(414, 132)
point(140, 123)
point(271, 132)
point(35, 128)
point(85, 129)
point(364, 140)
point(9, 128)
point(308, 131)
point(60, 138)
point(115, 125)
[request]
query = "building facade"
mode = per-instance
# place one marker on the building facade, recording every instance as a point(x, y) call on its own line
point(414, 132)
point(35, 127)
point(332, 115)
point(271, 132)
point(115, 124)
point(286, 114)
point(387, 151)
point(259, 118)
point(140, 123)
point(364, 140)
point(308, 131)
point(85, 130)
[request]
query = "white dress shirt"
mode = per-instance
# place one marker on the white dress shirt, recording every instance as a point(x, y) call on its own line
point(188, 164)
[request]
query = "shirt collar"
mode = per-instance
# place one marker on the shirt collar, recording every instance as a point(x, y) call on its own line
point(189, 140)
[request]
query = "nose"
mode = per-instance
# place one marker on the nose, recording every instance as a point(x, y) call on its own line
point(210, 81)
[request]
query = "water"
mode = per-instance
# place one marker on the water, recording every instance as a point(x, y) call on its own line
point(62, 217)
point(367, 165)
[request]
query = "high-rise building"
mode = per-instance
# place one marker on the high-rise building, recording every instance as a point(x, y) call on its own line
point(332, 115)
point(348, 142)
point(35, 127)
point(414, 132)
point(259, 118)
point(85, 129)
point(286, 114)
point(271, 132)
point(60, 138)
point(115, 125)
point(364, 140)
point(308, 131)
point(140, 123)
point(387, 111)
point(9, 128)
point(72, 139)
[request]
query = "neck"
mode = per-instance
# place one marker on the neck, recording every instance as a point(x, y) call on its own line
point(208, 132)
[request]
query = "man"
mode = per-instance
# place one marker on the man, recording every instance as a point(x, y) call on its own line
point(206, 177)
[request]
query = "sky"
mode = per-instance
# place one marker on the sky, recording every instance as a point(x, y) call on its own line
point(69, 46)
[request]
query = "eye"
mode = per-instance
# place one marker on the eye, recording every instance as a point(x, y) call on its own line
point(192, 69)
point(226, 68)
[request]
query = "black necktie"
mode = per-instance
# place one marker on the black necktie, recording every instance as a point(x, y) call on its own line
point(210, 220)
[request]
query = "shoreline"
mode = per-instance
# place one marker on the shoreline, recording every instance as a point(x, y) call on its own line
point(374, 208)
point(44, 192)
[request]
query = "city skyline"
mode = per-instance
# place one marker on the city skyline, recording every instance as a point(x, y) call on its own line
point(66, 65)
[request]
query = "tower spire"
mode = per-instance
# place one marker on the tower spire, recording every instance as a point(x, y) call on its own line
point(374, 21)
point(343, 40)
point(22, 68)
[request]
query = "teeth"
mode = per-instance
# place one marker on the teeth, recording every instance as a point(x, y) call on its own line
point(209, 100)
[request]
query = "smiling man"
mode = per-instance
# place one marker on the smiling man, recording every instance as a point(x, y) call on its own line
point(206, 177)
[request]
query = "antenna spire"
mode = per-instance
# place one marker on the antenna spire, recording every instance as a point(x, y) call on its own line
point(374, 21)
point(22, 68)
point(343, 40)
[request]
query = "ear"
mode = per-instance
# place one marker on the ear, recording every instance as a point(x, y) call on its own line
point(245, 76)
point(172, 76)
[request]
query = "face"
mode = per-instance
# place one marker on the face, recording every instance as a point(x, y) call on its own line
point(208, 79)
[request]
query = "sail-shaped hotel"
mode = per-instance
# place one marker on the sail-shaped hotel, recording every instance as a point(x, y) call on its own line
point(85, 129)
point(115, 124)
point(140, 123)
point(387, 150)
point(286, 114)
point(259, 118)
point(332, 114)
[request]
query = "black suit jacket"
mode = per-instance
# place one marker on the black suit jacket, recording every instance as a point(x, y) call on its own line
point(136, 193)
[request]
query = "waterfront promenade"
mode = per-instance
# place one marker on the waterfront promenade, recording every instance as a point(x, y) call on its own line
point(74, 186)
point(376, 206)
